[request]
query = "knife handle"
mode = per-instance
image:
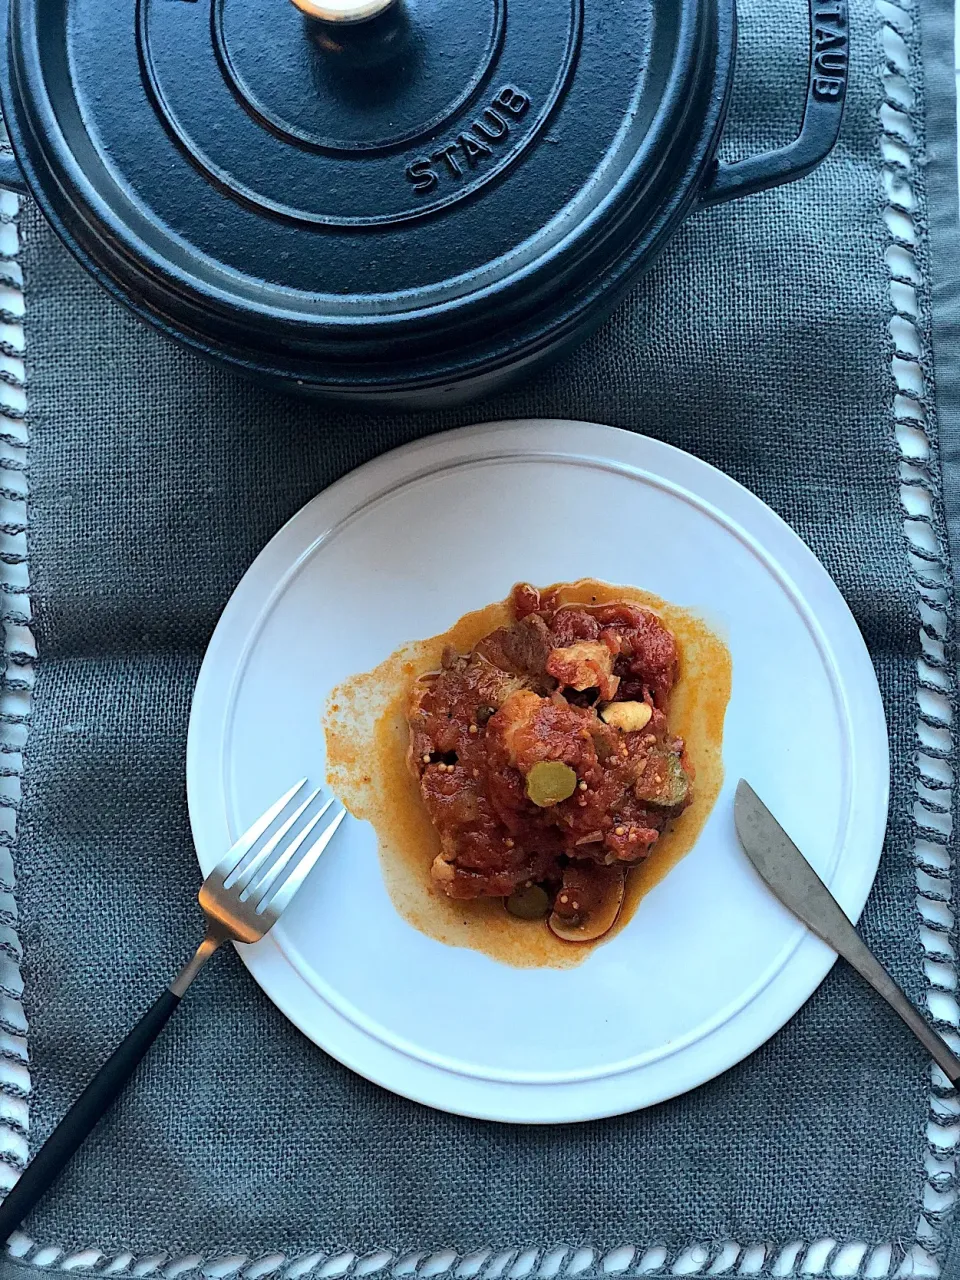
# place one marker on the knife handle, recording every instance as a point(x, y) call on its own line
point(845, 940)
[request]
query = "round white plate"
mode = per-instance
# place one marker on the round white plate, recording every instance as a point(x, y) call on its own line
point(711, 965)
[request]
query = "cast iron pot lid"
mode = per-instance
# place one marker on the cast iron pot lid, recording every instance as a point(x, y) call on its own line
point(264, 181)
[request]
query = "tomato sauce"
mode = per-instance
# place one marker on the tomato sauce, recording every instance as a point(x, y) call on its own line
point(394, 779)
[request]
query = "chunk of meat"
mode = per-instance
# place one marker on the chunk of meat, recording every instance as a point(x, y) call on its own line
point(648, 660)
point(585, 664)
point(445, 705)
point(525, 600)
point(528, 729)
point(522, 648)
point(524, 696)
point(570, 625)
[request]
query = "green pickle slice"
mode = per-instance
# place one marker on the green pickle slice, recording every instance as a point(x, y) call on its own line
point(549, 782)
point(530, 903)
point(673, 790)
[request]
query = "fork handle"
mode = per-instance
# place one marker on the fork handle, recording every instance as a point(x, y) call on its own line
point(95, 1101)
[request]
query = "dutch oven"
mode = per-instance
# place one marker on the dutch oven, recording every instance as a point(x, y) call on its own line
point(388, 201)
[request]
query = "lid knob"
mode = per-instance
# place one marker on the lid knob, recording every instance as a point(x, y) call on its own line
point(343, 11)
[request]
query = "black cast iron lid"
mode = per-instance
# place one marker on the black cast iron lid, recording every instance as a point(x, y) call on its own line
point(446, 165)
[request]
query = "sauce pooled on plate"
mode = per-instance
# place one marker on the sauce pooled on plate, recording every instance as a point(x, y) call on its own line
point(542, 753)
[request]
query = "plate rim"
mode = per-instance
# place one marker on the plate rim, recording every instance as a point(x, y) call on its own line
point(563, 440)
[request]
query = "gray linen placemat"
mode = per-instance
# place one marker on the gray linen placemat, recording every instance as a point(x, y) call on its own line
point(761, 342)
point(938, 255)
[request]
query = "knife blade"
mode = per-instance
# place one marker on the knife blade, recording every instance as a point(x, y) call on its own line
point(784, 869)
point(793, 881)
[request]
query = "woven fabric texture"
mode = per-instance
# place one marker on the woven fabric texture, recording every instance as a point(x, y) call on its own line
point(759, 342)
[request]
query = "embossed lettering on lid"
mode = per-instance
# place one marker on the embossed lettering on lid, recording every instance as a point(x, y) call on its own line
point(442, 183)
point(321, 130)
point(369, 168)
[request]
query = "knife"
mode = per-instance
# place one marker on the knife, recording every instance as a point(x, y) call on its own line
point(787, 873)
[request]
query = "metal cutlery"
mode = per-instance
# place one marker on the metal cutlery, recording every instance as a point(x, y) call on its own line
point(242, 898)
point(785, 871)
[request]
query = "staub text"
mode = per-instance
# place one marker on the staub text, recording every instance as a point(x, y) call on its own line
point(489, 130)
point(830, 53)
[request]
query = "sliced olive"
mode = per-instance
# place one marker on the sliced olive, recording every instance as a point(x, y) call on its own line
point(531, 903)
point(594, 923)
point(549, 782)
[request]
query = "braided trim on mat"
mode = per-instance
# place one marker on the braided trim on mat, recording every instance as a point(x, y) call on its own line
point(822, 1260)
point(926, 546)
point(16, 682)
point(934, 773)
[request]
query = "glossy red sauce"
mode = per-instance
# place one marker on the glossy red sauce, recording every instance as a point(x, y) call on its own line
point(540, 699)
point(682, 670)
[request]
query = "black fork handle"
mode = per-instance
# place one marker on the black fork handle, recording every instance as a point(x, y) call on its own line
point(75, 1127)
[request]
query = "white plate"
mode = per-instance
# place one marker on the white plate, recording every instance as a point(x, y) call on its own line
point(711, 965)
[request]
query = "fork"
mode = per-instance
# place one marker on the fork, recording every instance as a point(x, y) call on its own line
point(242, 898)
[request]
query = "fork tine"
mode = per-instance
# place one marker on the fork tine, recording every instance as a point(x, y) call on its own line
point(255, 888)
point(238, 851)
point(276, 904)
point(247, 872)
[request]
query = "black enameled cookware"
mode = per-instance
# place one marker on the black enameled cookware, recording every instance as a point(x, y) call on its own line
point(408, 209)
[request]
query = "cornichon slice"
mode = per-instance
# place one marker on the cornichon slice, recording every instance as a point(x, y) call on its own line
point(549, 782)
point(672, 789)
point(531, 903)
